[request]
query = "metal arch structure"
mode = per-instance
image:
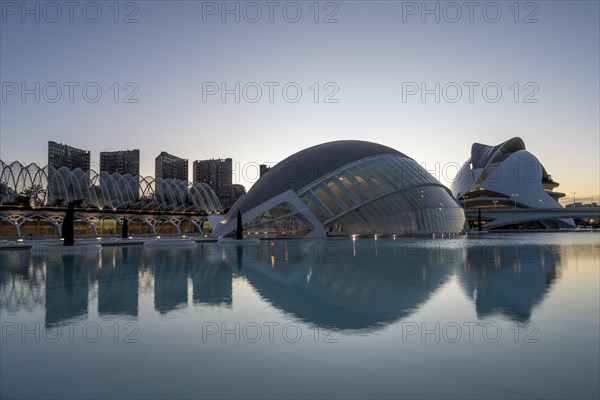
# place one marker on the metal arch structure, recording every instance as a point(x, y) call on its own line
point(17, 178)
point(203, 197)
point(28, 192)
point(47, 186)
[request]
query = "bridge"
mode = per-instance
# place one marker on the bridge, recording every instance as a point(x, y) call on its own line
point(497, 217)
point(17, 217)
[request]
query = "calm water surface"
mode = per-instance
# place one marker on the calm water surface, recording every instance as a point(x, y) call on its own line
point(502, 316)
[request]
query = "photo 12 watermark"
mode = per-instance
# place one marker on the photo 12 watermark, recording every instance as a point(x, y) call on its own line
point(266, 332)
point(252, 12)
point(449, 172)
point(269, 92)
point(410, 332)
point(87, 332)
point(524, 172)
point(470, 92)
point(69, 92)
point(71, 12)
point(468, 332)
point(452, 12)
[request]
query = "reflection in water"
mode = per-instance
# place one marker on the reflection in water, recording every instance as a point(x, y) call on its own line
point(212, 280)
point(118, 283)
point(21, 283)
point(66, 289)
point(510, 279)
point(170, 277)
point(366, 289)
point(351, 285)
point(212, 285)
point(334, 284)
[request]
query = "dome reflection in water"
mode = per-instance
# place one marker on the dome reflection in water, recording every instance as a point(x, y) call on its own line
point(376, 317)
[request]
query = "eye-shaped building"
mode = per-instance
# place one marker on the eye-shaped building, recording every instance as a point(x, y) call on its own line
point(344, 188)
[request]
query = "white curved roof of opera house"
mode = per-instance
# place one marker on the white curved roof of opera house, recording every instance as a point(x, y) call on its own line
point(507, 170)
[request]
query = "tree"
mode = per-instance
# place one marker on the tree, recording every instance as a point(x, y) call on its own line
point(36, 194)
point(7, 194)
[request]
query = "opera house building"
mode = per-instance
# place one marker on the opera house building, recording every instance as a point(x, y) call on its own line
point(508, 176)
point(346, 188)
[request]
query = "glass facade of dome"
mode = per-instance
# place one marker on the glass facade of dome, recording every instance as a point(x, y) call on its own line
point(370, 190)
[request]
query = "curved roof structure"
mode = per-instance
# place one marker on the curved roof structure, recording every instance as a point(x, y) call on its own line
point(346, 187)
point(506, 175)
point(487, 158)
point(483, 154)
point(308, 165)
point(48, 186)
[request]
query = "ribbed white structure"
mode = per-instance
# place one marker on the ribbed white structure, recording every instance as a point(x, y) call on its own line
point(47, 186)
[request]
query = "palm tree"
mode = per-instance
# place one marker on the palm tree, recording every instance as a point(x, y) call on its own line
point(36, 194)
point(6, 193)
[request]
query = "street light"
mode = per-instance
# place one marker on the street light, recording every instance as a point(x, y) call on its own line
point(573, 193)
point(495, 203)
point(515, 195)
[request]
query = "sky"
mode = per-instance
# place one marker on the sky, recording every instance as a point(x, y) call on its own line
point(259, 81)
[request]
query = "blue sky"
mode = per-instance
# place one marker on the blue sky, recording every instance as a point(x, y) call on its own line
point(166, 55)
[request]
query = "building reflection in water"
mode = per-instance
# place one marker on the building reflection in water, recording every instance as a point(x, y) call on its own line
point(351, 285)
point(118, 282)
point(212, 285)
point(509, 279)
point(170, 268)
point(67, 287)
point(22, 281)
point(211, 279)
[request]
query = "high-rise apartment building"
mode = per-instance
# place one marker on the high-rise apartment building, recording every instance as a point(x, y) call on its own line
point(62, 155)
point(168, 166)
point(122, 161)
point(217, 173)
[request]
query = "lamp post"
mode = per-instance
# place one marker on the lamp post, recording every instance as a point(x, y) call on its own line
point(514, 196)
point(573, 193)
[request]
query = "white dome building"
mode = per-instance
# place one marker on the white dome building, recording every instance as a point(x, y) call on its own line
point(345, 188)
point(507, 176)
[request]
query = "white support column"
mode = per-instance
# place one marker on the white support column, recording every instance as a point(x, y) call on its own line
point(175, 223)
